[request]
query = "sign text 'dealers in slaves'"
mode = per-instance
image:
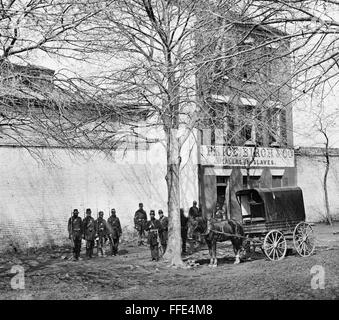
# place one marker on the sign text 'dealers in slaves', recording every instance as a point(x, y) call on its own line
point(242, 156)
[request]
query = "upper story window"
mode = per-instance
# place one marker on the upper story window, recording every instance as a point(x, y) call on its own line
point(277, 124)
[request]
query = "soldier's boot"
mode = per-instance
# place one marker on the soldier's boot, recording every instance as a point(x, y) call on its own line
point(101, 252)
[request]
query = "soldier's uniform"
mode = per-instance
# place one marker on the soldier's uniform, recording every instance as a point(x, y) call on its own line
point(219, 215)
point(115, 232)
point(140, 219)
point(194, 211)
point(154, 229)
point(102, 232)
point(184, 227)
point(164, 232)
point(89, 233)
point(75, 231)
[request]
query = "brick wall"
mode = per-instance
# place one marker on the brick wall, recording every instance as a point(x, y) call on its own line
point(39, 188)
point(310, 170)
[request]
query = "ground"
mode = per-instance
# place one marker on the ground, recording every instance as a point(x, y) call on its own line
point(131, 275)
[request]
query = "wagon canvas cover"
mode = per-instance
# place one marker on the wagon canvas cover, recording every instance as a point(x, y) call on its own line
point(280, 204)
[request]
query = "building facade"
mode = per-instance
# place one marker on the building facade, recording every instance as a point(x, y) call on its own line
point(247, 136)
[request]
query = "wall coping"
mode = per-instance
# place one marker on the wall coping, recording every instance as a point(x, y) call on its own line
point(315, 151)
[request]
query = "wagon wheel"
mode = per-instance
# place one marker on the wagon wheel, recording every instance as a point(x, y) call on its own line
point(303, 239)
point(275, 245)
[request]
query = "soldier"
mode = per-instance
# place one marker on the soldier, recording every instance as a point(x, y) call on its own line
point(140, 219)
point(89, 233)
point(184, 226)
point(115, 232)
point(164, 233)
point(101, 233)
point(219, 214)
point(154, 229)
point(194, 211)
point(75, 231)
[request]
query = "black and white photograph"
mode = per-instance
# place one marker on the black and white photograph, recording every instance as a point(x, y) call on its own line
point(183, 151)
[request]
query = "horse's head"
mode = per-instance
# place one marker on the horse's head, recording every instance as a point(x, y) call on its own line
point(195, 226)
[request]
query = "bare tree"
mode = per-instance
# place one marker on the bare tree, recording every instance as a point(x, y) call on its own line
point(323, 124)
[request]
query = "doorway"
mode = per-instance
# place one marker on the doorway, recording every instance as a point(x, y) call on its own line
point(222, 182)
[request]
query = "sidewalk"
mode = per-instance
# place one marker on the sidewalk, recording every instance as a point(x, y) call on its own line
point(326, 236)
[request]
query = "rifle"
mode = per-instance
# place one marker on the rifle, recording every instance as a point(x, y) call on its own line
point(159, 243)
point(71, 230)
point(84, 227)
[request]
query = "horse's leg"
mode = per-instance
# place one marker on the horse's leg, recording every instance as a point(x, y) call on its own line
point(215, 260)
point(208, 242)
point(236, 248)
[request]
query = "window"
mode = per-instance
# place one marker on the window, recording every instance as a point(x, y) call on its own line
point(222, 123)
point(276, 181)
point(254, 182)
point(251, 124)
point(277, 125)
point(221, 180)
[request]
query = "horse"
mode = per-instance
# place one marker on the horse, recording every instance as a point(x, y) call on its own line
point(219, 231)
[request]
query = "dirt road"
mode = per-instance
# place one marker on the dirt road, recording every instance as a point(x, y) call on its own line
point(131, 275)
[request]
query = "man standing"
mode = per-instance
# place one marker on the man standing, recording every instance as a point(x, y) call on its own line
point(154, 229)
point(184, 226)
point(115, 232)
point(75, 231)
point(102, 232)
point(140, 219)
point(164, 233)
point(219, 214)
point(89, 233)
point(194, 211)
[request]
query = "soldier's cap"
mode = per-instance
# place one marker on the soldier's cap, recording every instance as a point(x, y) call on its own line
point(140, 204)
point(88, 210)
point(113, 210)
point(75, 211)
point(152, 213)
point(101, 212)
point(160, 211)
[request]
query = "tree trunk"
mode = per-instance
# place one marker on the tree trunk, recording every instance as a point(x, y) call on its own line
point(327, 204)
point(173, 251)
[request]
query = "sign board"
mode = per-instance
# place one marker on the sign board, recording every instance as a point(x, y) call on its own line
point(238, 156)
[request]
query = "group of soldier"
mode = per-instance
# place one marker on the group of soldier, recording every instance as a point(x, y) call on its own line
point(157, 230)
point(92, 230)
point(99, 230)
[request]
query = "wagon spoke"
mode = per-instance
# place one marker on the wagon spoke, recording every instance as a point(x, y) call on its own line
point(280, 251)
point(304, 247)
point(274, 253)
point(280, 238)
point(300, 245)
point(269, 249)
point(281, 245)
